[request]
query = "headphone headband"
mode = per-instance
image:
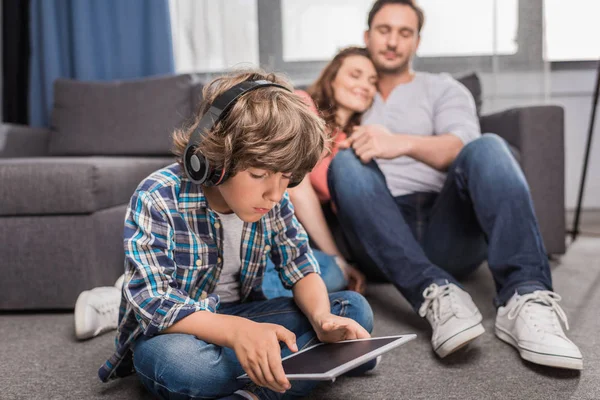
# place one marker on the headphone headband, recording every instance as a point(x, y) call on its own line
point(197, 167)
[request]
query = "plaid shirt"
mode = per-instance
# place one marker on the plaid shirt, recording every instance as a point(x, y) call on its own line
point(173, 259)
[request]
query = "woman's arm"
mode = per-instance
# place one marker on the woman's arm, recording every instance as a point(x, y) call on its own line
point(310, 214)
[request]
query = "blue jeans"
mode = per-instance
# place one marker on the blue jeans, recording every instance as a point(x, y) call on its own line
point(483, 211)
point(331, 274)
point(178, 366)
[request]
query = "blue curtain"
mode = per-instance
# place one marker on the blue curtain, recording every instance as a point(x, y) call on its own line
point(95, 40)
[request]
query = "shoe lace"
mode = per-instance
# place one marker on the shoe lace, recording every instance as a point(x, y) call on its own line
point(547, 301)
point(434, 296)
point(107, 308)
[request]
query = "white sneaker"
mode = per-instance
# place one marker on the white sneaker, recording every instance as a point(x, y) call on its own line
point(453, 316)
point(119, 282)
point(97, 311)
point(531, 324)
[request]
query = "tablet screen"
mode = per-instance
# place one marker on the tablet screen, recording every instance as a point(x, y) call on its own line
point(326, 357)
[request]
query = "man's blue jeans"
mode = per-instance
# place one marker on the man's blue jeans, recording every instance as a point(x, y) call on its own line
point(483, 211)
point(177, 366)
point(331, 274)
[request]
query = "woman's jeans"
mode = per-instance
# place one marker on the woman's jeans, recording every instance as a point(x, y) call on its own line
point(331, 274)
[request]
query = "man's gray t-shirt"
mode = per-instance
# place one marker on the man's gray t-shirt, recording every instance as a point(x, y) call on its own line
point(431, 104)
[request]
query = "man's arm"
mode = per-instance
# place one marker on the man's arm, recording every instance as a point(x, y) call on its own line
point(376, 141)
point(455, 124)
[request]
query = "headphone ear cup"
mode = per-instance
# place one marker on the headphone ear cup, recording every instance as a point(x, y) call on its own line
point(196, 166)
point(216, 177)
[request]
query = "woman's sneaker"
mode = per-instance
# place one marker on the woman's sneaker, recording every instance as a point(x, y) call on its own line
point(97, 311)
point(531, 323)
point(453, 316)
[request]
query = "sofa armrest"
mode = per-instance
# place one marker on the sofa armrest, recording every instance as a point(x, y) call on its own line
point(538, 133)
point(23, 141)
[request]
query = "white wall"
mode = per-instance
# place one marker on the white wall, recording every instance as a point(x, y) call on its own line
point(572, 89)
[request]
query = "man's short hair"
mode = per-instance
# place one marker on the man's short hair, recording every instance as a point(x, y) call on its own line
point(269, 128)
point(410, 3)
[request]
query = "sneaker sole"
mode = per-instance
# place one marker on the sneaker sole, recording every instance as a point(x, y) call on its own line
point(459, 340)
point(550, 360)
point(80, 331)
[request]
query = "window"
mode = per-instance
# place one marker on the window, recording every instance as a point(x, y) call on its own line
point(572, 30)
point(214, 35)
point(316, 29)
point(466, 28)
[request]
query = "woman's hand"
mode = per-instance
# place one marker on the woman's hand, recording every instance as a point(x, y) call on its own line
point(356, 280)
point(256, 346)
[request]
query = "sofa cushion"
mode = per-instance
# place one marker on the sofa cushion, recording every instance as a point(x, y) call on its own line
point(473, 83)
point(133, 117)
point(71, 185)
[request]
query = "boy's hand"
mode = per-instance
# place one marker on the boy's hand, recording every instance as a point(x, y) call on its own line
point(256, 346)
point(332, 328)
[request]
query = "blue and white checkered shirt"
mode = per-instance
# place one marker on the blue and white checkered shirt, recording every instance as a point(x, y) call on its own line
point(173, 258)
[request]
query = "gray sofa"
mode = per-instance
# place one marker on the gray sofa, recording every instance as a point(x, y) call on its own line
point(64, 190)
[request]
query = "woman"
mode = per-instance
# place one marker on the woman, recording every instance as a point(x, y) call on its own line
point(344, 90)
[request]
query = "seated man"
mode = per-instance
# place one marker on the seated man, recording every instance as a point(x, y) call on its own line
point(428, 199)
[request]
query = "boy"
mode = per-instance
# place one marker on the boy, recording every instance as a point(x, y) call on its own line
point(193, 316)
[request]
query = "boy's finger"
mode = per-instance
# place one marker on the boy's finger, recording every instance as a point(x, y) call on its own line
point(288, 337)
point(253, 376)
point(277, 370)
point(270, 381)
point(361, 333)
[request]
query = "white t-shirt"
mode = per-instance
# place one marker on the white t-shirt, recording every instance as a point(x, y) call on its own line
point(228, 286)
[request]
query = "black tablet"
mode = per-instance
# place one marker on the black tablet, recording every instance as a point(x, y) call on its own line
point(327, 361)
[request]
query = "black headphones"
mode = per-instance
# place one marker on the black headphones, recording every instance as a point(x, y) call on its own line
point(196, 166)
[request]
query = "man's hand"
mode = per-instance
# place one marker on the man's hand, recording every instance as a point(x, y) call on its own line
point(356, 280)
point(376, 141)
point(256, 346)
point(332, 328)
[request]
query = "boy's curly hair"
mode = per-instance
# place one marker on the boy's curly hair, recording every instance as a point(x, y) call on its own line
point(268, 128)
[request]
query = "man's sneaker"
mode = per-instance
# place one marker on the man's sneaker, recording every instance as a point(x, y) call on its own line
point(97, 311)
point(531, 323)
point(453, 316)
